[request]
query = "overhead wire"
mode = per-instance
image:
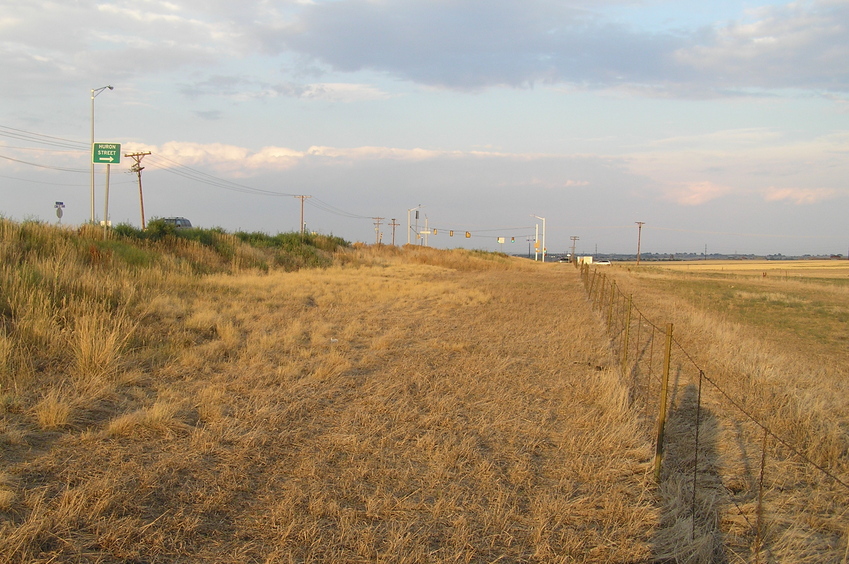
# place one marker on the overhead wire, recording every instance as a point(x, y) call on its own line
point(63, 169)
point(23, 135)
point(176, 168)
point(206, 178)
point(322, 205)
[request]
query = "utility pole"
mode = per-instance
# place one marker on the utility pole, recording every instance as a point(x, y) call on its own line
point(137, 168)
point(639, 237)
point(574, 238)
point(393, 225)
point(377, 221)
point(303, 225)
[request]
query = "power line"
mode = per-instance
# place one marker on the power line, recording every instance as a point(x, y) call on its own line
point(23, 135)
point(206, 178)
point(43, 166)
point(322, 205)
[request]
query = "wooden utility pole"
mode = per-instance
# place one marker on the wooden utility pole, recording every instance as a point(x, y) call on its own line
point(303, 227)
point(137, 168)
point(377, 221)
point(574, 238)
point(639, 237)
point(393, 225)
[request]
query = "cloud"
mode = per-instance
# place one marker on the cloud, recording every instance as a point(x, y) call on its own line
point(478, 44)
point(244, 88)
point(799, 196)
point(799, 45)
point(697, 193)
point(466, 45)
point(475, 44)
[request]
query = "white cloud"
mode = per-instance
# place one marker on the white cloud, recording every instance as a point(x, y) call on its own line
point(799, 196)
point(342, 92)
point(798, 45)
point(468, 45)
point(697, 193)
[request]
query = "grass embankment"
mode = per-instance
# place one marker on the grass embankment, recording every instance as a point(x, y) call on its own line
point(397, 406)
point(777, 344)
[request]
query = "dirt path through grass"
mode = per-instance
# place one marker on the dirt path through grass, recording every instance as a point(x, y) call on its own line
point(394, 413)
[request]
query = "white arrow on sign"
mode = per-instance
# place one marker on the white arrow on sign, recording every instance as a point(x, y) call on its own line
point(110, 159)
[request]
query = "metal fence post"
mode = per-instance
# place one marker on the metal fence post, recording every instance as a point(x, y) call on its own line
point(627, 334)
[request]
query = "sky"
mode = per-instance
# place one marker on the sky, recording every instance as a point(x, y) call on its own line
point(722, 126)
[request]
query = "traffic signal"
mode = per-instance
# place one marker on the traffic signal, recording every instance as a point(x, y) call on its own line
point(451, 233)
point(468, 234)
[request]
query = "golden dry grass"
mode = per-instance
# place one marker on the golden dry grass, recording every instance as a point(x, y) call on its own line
point(408, 405)
point(405, 405)
point(813, 268)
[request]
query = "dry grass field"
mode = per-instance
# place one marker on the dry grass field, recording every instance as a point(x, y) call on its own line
point(797, 269)
point(205, 400)
point(773, 340)
point(400, 406)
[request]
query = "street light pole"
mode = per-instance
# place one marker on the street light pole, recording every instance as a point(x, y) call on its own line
point(408, 222)
point(543, 235)
point(94, 93)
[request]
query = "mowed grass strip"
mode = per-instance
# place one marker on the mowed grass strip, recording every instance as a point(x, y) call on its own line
point(394, 410)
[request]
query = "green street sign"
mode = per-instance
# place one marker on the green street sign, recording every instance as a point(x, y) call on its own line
point(106, 153)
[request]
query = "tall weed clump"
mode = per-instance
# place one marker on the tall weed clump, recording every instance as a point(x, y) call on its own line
point(67, 301)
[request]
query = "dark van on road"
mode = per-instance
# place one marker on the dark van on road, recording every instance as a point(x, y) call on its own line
point(178, 222)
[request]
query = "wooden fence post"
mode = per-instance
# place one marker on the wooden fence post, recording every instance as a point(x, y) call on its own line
point(664, 393)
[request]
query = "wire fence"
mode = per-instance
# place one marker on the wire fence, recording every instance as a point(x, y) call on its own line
point(745, 488)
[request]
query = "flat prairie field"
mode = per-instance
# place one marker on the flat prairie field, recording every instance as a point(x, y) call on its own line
point(801, 304)
point(838, 269)
point(392, 411)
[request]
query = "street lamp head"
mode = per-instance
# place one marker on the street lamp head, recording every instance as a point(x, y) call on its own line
point(96, 91)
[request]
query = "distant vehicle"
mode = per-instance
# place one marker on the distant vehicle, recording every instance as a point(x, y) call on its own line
point(602, 262)
point(178, 222)
point(564, 259)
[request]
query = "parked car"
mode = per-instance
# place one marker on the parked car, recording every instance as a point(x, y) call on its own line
point(178, 222)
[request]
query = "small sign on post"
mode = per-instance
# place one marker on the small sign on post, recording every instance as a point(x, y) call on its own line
point(106, 153)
